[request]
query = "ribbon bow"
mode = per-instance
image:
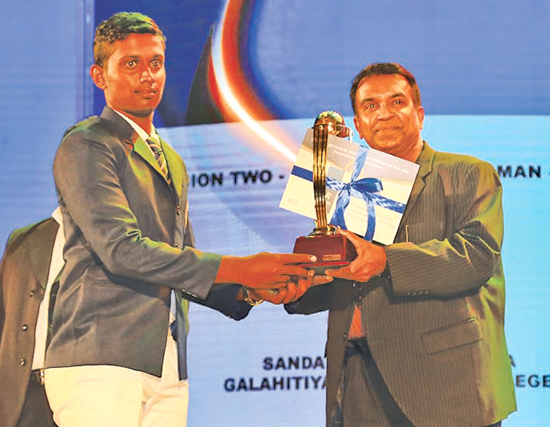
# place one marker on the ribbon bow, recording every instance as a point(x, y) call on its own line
point(364, 188)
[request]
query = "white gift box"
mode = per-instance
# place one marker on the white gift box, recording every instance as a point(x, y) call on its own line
point(367, 190)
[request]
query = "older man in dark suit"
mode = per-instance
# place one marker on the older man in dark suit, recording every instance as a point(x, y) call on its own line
point(131, 265)
point(28, 272)
point(416, 329)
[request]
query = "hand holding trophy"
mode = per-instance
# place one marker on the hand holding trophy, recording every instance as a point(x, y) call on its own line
point(331, 249)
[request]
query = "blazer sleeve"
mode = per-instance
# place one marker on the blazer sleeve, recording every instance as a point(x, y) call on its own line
point(335, 295)
point(468, 254)
point(87, 170)
point(223, 298)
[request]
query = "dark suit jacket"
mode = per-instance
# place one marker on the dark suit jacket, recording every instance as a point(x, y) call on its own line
point(436, 328)
point(23, 276)
point(128, 242)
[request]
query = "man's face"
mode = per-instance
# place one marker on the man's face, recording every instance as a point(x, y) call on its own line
point(133, 77)
point(386, 117)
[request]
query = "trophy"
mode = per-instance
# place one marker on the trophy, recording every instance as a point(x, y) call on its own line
point(331, 249)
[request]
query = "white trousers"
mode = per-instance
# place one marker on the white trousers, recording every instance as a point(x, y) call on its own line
point(111, 396)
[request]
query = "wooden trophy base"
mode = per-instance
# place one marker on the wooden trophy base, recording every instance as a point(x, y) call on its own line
point(332, 251)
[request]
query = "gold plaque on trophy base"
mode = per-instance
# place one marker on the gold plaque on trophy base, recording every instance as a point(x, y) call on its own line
point(332, 251)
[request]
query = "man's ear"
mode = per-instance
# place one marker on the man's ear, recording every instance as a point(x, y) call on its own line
point(420, 114)
point(98, 76)
point(356, 122)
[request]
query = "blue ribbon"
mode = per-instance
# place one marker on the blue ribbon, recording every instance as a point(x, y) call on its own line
point(365, 189)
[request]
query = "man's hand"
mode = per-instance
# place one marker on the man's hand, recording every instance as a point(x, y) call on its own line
point(292, 292)
point(263, 270)
point(371, 260)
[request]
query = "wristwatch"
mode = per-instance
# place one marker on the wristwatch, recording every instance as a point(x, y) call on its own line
point(248, 299)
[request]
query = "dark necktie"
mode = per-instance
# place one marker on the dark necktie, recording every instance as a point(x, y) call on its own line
point(156, 148)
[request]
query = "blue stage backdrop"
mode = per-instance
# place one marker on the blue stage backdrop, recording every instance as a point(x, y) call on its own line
point(245, 80)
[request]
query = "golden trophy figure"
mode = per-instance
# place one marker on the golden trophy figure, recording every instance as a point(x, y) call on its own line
point(331, 249)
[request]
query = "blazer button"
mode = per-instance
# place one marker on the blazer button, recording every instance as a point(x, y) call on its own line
point(22, 362)
point(24, 327)
point(31, 294)
point(178, 210)
point(175, 245)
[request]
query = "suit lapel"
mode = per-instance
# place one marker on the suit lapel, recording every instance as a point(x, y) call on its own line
point(130, 137)
point(425, 160)
point(174, 165)
point(40, 245)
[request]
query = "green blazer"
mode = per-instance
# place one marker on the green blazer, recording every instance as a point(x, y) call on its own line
point(435, 324)
point(129, 241)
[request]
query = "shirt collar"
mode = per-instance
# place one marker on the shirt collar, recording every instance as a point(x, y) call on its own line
point(142, 134)
point(58, 216)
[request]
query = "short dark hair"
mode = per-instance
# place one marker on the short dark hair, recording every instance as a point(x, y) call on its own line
point(119, 27)
point(380, 69)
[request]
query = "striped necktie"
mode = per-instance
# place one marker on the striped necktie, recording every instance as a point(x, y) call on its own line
point(156, 148)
